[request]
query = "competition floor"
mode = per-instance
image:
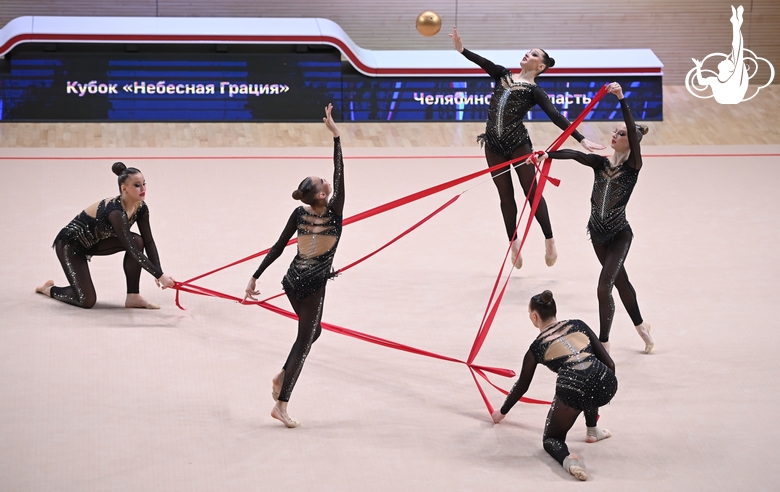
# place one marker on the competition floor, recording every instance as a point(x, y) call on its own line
point(112, 399)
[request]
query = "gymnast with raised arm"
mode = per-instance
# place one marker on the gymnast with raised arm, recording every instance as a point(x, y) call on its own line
point(610, 233)
point(318, 224)
point(506, 137)
point(103, 229)
point(586, 379)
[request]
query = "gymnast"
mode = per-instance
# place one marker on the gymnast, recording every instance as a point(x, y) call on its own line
point(506, 137)
point(103, 229)
point(586, 379)
point(318, 224)
point(610, 233)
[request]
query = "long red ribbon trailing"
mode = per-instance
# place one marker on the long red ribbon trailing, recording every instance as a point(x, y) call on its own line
point(371, 212)
point(348, 332)
point(492, 307)
point(407, 231)
point(543, 178)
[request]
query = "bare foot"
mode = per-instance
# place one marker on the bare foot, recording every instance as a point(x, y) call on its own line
point(517, 258)
point(595, 434)
point(45, 289)
point(276, 385)
point(137, 301)
point(644, 332)
point(572, 465)
point(550, 253)
point(280, 414)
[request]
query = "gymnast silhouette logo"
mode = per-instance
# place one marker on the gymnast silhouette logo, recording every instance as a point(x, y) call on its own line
point(730, 84)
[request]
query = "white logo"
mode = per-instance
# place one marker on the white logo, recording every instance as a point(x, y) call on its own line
point(730, 84)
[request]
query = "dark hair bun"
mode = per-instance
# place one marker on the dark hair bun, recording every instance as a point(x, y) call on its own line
point(118, 168)
point(546, 297)
point(297, 194)
point(643, 129)
point(552, 62)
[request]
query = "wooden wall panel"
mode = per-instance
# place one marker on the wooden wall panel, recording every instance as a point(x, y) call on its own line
point(10, 9)
point(675, 30)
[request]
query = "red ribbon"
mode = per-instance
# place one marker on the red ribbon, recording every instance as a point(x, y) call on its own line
point(544, 172)
point(370, 213)
point(491, 308)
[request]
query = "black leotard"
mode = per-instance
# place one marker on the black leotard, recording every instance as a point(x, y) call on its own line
point(509, 104)
point(312, 268)
point(612, 186)
point(568, 348)
point(84, 232)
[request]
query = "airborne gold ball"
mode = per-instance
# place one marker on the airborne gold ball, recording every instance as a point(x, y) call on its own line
point(428, 23)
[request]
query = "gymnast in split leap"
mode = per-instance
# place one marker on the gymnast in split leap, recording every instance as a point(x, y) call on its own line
point(506, 137)
point(103, 229)
point(610, 233)
point(318, 224)
point(586, 379)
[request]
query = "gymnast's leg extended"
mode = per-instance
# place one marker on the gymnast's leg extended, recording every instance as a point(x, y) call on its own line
point(506, 192)
point(612, 257)
point(309, 311)
point(81, 291)
point(503, 183)
point(502, 178)
point(131, 267)
point(276, 382)
point(527, 175)
point(560, 419)
point(594, 433)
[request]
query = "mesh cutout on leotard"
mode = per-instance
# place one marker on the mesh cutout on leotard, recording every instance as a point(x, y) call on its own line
point(564, 346)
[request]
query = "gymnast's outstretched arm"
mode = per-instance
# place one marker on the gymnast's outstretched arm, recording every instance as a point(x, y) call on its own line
point(590, 160)
point(543, 100)
point(276, 250)
point(522, 384)
point(274, 253)
point(146, 234)
point(495, 71)
point(336, 202)
point(635, 157)
point(121, 226)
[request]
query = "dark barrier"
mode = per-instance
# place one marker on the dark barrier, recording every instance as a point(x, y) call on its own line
point(288, 84)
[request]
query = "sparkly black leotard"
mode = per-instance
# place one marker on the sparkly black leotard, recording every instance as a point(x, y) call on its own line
point(608, 227)
point(509, 104)
point(310, 270)
point(85, 232)
point(570, 349)
point(312, 266)
point(584, 382)
point(106, 233)
point(612, 186)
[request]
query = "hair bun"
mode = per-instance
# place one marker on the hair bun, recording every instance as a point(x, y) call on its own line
point(643, 129)
point(297, 194)
point(546, 297)
point(118, 168)
point(552, 62)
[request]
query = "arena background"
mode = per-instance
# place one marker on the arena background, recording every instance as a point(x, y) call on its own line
point(118, 400)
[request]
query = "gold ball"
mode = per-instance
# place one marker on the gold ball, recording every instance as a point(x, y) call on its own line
point(428, 23)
